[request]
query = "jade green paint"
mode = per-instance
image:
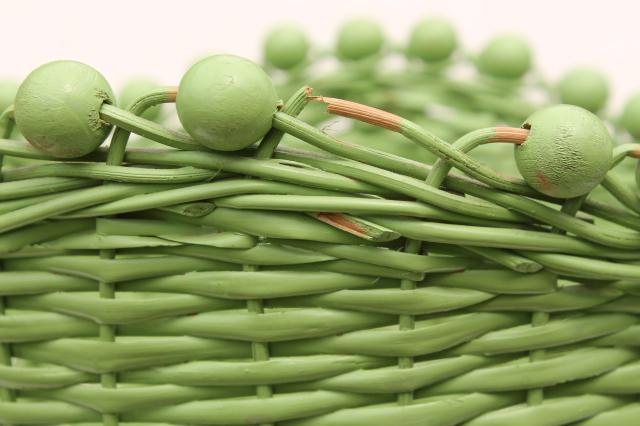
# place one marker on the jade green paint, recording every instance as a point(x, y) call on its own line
point(226, 102)
point(555, 333)
point(286, 46)
point(505, 56)
point(358, 39)
point(134, 89)
point(567, 153)
point(555, 411)
point(612, 237)
point(293, 106)
point(57, 108)
point(522, 374)
point(188, 286)
point(111, 173)
point(584, 87)
point(389, 142)
point(277, 370)
point(432, 39)
point(630, 119)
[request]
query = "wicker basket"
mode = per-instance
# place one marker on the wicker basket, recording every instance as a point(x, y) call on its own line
point(201, 288)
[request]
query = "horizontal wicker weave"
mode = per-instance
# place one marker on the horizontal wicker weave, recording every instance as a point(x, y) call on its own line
point(199, 288)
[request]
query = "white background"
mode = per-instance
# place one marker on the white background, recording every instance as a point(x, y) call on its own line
point(161, 38)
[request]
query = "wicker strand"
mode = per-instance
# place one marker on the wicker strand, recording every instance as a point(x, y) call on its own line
point(115, 157)
point(107, 291)
point(536, 396)
point(259, 350)
point(6, 394)
point(407, 322)
point(108, 334)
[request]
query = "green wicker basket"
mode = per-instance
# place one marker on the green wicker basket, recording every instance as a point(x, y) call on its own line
point(343, 285)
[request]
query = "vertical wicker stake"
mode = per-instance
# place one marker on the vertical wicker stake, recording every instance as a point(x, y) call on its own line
point(389, 121)
point(5, 348)
point(108, 334)
point(536, 396)
point(406, 322)
point(115, 157)
point(107, 291)
point(435, 178)
point(516, 136)
point(259, 350)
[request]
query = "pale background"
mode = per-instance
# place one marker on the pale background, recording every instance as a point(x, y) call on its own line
point(161, 38)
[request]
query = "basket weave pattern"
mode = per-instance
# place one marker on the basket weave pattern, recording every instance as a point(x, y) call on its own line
point(244, 300)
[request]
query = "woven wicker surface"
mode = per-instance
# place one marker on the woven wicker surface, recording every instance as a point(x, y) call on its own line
point(199, 288)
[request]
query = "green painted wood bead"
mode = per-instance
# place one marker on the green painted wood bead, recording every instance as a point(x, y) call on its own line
point(630, 119)
point(226, 102)
point(567, 153)
point(432, 39)
point(359, 39)
point(505, 56)
point(136, 87)
point(584, 87)
point(57, 108)
point(286, 46)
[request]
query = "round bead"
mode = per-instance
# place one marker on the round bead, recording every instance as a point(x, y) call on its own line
point(226, 102)
point(432, 40)
point(567, 153)
point(57, 108)
point(630, 119)
point(136, 87)
point(584, 87)
point(505, 56)
point(359, 39)
point(285, 47)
